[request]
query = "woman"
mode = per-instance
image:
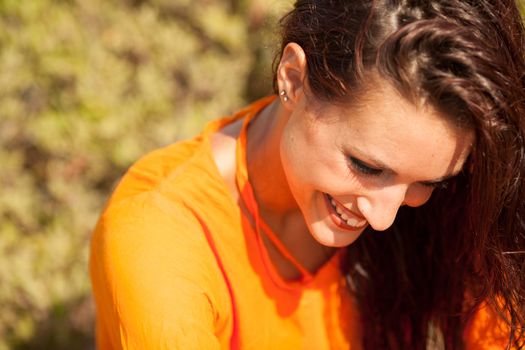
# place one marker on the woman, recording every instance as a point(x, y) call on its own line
point(377, 202)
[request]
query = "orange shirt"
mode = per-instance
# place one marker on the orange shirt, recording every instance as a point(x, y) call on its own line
point(176, 264)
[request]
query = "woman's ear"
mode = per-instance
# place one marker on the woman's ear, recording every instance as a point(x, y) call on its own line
point(291, 74)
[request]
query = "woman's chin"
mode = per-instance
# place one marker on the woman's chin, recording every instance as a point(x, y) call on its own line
point(333, 237)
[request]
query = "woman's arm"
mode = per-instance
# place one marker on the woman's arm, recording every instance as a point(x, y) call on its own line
point(155, 279)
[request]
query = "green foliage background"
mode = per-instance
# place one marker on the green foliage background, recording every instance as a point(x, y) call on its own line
point(86, 87)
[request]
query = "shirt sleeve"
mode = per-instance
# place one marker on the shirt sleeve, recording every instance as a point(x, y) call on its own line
point(486, 331)
point(154, 279)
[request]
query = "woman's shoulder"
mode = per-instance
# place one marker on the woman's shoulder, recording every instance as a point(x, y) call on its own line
point(158, 166)
point(149, 228)
point(152, 204)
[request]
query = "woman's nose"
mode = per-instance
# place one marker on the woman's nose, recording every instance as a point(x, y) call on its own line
point(380, 206)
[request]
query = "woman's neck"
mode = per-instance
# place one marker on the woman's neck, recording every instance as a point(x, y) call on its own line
point(264, 162)
point(277, 205)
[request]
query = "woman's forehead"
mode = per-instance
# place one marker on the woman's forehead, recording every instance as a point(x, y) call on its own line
point(391, 132)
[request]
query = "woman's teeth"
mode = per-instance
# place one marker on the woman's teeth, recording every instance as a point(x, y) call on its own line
point(349, 221)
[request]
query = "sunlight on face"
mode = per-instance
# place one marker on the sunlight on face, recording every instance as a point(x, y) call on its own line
point(349, 167)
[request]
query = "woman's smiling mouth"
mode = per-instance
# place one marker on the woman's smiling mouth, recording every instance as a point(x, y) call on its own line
point(343, 217)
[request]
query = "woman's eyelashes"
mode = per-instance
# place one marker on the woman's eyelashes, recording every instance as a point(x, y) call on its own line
point(437, 185)
point(363, 168)
point(367, 170)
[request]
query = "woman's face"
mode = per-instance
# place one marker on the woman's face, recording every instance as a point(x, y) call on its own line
point(350, 167)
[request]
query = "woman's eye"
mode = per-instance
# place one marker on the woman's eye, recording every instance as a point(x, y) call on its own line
point(363, 168)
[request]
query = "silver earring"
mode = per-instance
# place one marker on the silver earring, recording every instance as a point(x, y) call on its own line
point(283, 94)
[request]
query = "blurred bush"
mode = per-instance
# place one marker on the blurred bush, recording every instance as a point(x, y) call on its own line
point(86, 87)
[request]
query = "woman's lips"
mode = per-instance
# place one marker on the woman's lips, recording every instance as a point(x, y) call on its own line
point(343, 217)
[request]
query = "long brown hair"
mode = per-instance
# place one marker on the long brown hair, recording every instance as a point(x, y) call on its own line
point(428, 274)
